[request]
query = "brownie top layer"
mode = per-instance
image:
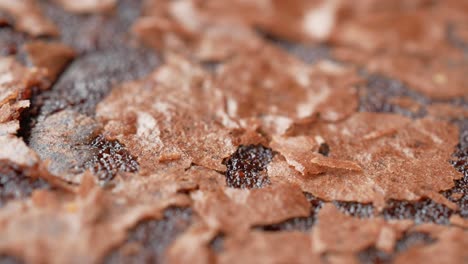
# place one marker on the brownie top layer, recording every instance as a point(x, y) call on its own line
point(233, 131)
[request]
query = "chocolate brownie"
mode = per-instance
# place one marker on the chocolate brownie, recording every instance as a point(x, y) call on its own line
point(215, 131)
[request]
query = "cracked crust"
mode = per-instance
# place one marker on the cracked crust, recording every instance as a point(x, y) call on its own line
point(242, 132)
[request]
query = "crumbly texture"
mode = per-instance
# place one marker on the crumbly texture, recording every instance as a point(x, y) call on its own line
point(216, 131)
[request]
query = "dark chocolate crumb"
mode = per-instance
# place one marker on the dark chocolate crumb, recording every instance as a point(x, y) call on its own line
point(246, 168)
point(15, 185)
point(422, 211)
point(303, 224)
point(110, 158)
point(324, 149)
point(150, 239)
point(354, 209)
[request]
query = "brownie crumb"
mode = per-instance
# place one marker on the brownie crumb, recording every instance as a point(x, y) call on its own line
point(413, 239)
point(110, 158)
point(355, 209)
point(246, 168)
point(303, 224)
point(15, 185)
point(148, 241)
point(422, 211)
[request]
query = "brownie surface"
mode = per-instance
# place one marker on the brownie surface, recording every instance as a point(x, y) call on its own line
point(232, 131)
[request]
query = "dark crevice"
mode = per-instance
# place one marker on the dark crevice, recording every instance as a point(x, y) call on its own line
point(148, 241)
point(28, 118)
point(246, 168)
point(378, 96)
point(107, 57)
point(411, 239)
point(7, 259)
point(459, 193)
point(422, 211)
point(11, 41)
point(15, 185)
point(324, 149)
point(454, 39)
point(90, 78)
point(91, 32)
point(308, 53)
point(379, 91)
point(360, 210)
point(110, 157)
point(303, 224)
point(217, 244)
point(373, 255)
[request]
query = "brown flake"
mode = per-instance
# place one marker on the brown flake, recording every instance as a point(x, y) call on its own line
point(9, 115)
point(63, 230)
point(15, 151)
point(447, 112)
point(408, 31)
point(302, 153)
point(270, 247)
point(184, 28)
point(334, 230)
point(234, 211)
point(382, 144)
point(28, 17)
point(226, 81)
point(53, 57)
point(192, 246)
point(16, 80)
point(449, 247)
point(175, 111)
point(254, 87)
